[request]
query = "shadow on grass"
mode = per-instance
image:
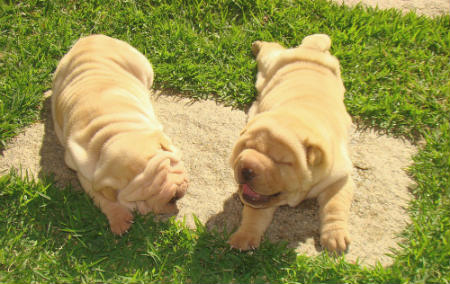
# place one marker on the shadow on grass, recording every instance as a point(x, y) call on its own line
point(73, 234)
point(56, 219)
point(65, 224)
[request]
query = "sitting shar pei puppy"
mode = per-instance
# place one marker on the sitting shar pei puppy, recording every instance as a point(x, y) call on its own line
point(104, 119)
point(294, 145)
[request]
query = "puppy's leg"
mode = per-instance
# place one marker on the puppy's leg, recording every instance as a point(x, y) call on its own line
point(266, 54)
point(254, 224)
point(119, 217)
point(258, 46)
point(334, 209)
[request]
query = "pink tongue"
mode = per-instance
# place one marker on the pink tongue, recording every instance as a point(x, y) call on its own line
point(248, 191)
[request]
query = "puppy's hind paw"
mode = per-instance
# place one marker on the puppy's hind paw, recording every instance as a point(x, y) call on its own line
point(256, 46)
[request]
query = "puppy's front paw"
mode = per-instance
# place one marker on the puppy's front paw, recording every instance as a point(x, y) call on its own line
point(120, 221)
point(244, 240)
point(337, 240)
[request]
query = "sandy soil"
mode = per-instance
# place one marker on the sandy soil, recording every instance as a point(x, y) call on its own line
point(421, 7)
point(206, 132)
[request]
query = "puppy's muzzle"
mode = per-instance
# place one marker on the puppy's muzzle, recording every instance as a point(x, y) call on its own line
point(247, 193)
point(247, 174)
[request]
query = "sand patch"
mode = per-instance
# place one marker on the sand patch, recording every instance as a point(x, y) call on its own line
point(429, 7)
point(205, 132)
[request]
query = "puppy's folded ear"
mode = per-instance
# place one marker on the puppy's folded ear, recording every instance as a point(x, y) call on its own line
point(314, 155)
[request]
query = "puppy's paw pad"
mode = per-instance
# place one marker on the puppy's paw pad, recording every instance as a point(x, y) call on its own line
point(244, 241)
point(335, 240)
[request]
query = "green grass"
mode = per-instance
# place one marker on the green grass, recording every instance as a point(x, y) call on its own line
point(395, 69)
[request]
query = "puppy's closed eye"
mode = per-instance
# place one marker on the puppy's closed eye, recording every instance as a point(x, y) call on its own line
point(284, 163)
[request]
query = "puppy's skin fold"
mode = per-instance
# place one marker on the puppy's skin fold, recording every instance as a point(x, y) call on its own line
point(104, 119)
point(294, 145)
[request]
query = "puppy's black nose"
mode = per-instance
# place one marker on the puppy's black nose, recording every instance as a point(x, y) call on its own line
point(247, 174)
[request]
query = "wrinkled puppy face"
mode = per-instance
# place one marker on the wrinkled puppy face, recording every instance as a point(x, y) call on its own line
point(158, 187)
point(264, 168)
point(169, 184)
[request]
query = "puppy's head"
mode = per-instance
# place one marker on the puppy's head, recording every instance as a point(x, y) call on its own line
point(169, 184)
point(273, 168)
point(262, 179)
point(159, 184)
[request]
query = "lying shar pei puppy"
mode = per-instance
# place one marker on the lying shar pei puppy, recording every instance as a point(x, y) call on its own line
point(104, 119)
point(294, 146)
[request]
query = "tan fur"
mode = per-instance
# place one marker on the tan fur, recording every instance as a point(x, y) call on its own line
point(104, 119)
point(295, 143)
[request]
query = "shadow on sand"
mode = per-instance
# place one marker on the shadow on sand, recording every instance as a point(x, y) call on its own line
point(52, 152)
point(294, 225)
